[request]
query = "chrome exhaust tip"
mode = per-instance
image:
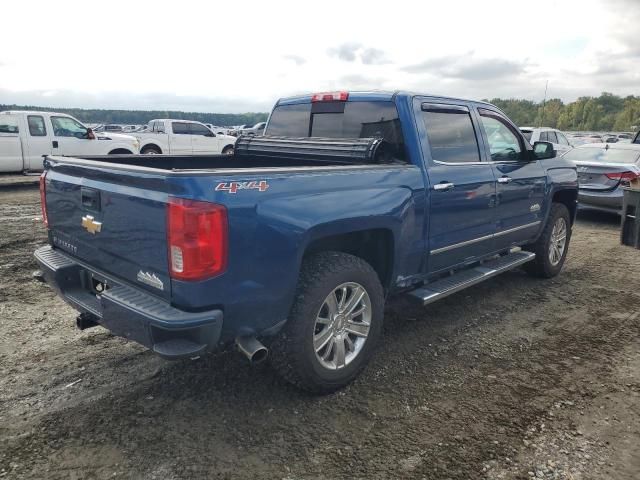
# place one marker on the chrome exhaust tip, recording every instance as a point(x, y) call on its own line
point(252, 348)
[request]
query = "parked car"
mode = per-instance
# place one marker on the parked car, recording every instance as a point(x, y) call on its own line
point(257, 129)
point(182, 137)
point(545, 134)
point(130, 128)
point(603, 169)
point(301, 240)
point(26, 136)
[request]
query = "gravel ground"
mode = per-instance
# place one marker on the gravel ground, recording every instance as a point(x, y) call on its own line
point(517, 378)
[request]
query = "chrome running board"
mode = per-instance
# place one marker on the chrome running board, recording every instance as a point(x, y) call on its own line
point(444, 287)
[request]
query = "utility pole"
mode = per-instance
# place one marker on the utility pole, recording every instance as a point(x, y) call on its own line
point(544, 101)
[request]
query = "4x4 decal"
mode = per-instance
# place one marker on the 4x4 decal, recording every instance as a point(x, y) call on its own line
point(233, 187)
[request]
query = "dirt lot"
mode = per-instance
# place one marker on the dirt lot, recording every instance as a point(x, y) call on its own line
point(517, 378)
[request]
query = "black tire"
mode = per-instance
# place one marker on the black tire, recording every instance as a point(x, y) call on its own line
point(228, 150)
point(120, 151)
point(293, 354)
point(542, 266)
point(151, 150)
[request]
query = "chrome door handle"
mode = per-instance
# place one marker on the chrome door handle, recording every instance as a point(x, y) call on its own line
point(505, 180)
point(443, 186)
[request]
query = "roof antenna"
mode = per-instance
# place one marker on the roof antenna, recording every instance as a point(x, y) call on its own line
point(544, 101)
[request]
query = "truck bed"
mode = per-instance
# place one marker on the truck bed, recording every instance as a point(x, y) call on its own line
point(268, 152)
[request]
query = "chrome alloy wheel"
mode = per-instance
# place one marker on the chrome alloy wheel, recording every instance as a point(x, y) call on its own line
point(558, 241)
point(342, 326)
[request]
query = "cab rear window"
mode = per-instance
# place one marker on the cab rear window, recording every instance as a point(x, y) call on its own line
point(339, 120)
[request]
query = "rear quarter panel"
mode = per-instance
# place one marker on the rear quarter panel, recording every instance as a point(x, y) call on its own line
point(269, 232)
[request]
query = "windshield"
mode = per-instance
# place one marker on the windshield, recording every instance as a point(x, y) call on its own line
point(602, 155)
point(339, 120)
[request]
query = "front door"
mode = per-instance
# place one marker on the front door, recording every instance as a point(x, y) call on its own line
point(203, 140)
point(38, 143)
point(70, 137)
point(520, 181)
point(462, 187)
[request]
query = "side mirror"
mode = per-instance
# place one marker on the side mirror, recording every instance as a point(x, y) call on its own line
point(90, 134)
point(543, 150)
point(210, 134)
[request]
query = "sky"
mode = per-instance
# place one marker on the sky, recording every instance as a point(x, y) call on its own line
point(234, 57)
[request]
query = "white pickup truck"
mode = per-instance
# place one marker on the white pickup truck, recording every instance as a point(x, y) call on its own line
point(25, 136)
point(183, 137)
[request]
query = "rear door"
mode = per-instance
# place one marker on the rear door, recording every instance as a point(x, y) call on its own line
point(38, 142)
point(520, 181)
point(462, 185)
point(180, 140)
point(10, 145)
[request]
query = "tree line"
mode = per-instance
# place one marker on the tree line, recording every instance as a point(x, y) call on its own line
point(141, 117)
point(607, 112)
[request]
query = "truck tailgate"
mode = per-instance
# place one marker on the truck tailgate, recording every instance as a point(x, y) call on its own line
point(112, 219)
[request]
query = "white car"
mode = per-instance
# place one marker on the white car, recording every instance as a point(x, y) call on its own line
point(25, 136)
point(546, 134)
point(183, 137)
point(257, 129)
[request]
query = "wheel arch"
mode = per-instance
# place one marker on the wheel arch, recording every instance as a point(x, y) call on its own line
point(120, 151)
point(150, 146)
point(376, 246)
point(569, 198)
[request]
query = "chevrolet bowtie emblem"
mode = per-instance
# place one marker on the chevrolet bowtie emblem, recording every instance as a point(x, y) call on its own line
point(91, 225)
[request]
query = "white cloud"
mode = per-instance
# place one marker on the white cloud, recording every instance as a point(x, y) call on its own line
point(199, 55)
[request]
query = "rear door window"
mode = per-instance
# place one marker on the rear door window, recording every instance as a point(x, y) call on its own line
point(552, 137)
point(180, 128)
point(452, 138)
point(36, 126)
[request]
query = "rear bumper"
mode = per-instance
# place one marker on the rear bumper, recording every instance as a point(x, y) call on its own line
point(610, 201)
point(130, 312)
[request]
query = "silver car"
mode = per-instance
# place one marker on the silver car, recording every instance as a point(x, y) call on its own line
point(603, 169)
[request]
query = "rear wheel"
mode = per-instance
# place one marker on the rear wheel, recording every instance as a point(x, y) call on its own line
point(334, 324)
point(228, 150)
point(552, 246)
point(151, 150)
point(120, 151)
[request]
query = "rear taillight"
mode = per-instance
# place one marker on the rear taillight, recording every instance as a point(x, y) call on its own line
point(330, 97)
point(43, 198)
point(197, 239)
point(624, 177)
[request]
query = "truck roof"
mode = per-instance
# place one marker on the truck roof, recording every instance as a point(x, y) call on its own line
point(374, 95)
point(32, 112)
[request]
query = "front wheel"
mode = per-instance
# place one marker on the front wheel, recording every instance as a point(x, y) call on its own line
point(553, 244)
point(334, 324)
point(228, 150)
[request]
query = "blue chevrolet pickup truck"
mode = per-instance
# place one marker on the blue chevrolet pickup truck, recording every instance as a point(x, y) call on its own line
point(290, 247)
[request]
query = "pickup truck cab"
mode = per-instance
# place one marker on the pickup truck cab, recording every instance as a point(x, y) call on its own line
point(182, 137)
point(26, 136)
point(298, 239)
